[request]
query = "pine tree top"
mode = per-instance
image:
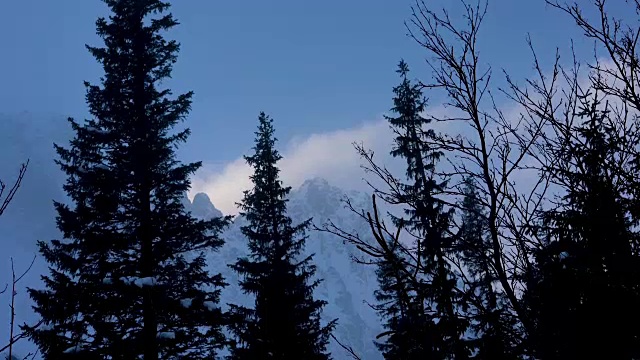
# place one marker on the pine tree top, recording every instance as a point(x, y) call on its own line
point(285, 321)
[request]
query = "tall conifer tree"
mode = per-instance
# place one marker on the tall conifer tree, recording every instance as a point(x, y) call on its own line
point(491, 325)
point(586, 275)
point(427, 219)
point(409, 332)
point(285, 322)
point(128, 279)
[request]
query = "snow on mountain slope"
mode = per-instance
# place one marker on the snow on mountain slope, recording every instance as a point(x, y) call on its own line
point(347, 287)
point(203, 207)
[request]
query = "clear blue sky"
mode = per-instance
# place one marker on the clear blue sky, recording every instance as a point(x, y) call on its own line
point(313, 65)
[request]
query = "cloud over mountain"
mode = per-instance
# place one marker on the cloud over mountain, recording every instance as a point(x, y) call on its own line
point(329, 155)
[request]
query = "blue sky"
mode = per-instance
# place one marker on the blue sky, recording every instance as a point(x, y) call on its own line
point(323, 69)
point(317, 67)
point(314, 65)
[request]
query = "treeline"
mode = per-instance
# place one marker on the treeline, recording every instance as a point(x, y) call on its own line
point(478, 265)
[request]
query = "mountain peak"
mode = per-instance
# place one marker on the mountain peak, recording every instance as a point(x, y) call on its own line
point(202, 207)
point(345, 285)
point(202, 198)
point(316, 183)
point(318, 194)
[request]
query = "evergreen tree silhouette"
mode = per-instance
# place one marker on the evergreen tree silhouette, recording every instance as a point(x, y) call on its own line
point(491, 324)
point(409, 332)
point(584, 288)
point(128, 279)
point(427, 219)
point(285, 321)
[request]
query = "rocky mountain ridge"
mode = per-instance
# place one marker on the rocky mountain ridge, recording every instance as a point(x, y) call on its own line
point(347, 287)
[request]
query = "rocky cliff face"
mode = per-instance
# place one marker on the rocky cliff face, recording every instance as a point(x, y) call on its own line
point(347, 287)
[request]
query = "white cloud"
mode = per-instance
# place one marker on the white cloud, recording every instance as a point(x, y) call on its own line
point(330, 155)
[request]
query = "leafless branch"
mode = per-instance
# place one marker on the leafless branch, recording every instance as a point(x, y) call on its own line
point(496, 146)
point(4, 202)
point(348, 349)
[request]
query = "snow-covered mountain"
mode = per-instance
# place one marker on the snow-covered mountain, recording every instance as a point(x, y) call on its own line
point(347, 287)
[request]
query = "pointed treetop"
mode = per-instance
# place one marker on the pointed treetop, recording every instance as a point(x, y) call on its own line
point(403, 69)
point(265, 140)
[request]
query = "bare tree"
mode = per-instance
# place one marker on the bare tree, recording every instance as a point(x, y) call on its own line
point(13, 338)
point(494, 149)
point(352, 353)
point(619, 40)
point(615, 73)
point(5, 200)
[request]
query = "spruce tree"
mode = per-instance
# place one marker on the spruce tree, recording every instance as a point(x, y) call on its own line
point(409, 332)
point(128, 278)
point(285, 321)
point(427, 219)
point(584, 289)
point(490, 323)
